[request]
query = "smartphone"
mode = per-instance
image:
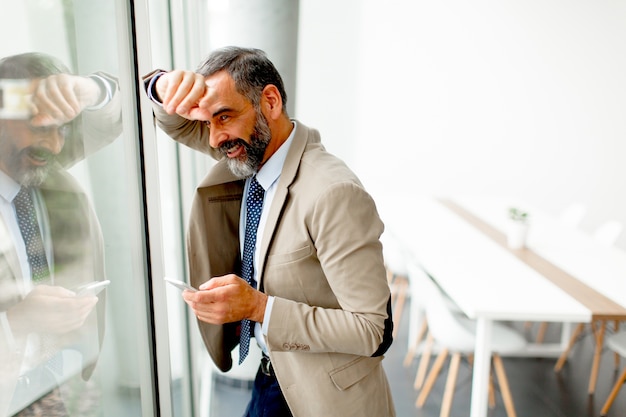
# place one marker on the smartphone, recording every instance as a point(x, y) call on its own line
point(92, 288)
point(180, 284)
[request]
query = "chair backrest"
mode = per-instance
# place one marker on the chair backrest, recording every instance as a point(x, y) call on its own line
point(447, 330)
point(573, 215)
point(608, 232)
point(394, 253)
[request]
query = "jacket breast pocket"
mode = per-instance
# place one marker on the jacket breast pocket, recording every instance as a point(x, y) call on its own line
point(290, 257)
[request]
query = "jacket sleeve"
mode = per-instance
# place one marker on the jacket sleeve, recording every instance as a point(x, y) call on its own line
point(191, 133)
point(94, 129)
point(353, 316)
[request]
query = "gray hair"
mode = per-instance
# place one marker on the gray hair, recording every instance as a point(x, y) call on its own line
point(250, 68)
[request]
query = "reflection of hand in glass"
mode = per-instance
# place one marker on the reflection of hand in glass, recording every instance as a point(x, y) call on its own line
point(60, 98)
point(52, 310)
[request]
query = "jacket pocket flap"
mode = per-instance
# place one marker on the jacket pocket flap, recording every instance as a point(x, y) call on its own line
point(352, 372)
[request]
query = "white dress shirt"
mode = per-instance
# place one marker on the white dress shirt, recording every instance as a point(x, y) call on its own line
point(267, 177)
point(8, 190)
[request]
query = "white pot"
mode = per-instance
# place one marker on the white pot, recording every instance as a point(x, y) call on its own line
point(516, 234)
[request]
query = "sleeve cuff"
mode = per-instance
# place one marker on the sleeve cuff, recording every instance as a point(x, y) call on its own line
point(106, 92)
point(268, 314)
point(151, 89)
point(6, 330)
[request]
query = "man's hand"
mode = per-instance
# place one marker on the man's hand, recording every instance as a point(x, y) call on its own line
point(227, 299)
point(184, 93)
point(60, 98)
point(48, 309)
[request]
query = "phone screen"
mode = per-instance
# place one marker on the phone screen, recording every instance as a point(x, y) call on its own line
point(91, 289)
point(180, 284)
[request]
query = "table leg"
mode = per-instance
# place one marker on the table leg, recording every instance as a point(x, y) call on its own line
point(599, 336)
point(482, 363)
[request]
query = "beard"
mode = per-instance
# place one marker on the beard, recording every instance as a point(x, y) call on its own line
point(26, 174)
point(249, 163)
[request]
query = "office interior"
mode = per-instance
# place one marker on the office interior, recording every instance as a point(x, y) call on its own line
point(421, 98)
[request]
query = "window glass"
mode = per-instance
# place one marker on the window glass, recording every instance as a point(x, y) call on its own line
point(74, 322)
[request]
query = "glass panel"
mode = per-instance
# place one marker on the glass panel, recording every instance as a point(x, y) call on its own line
point(68, 137)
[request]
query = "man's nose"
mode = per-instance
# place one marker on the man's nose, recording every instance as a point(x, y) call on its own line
point(53, 140)
point(217, 137)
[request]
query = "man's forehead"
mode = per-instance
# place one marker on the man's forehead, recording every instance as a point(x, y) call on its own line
point(224, 90)
point(221, 81)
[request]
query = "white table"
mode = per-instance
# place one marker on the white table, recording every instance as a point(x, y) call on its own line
point(487, 280)
point(592, 272)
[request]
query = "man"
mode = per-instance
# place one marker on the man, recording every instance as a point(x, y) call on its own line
point(50, 239)
point(310, 280)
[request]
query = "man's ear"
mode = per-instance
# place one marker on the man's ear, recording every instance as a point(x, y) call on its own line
point(271, 101)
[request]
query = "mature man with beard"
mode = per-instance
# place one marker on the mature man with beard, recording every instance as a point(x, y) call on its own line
point(50, 239)
point(283, 243)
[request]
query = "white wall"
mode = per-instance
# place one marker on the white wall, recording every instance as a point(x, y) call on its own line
point(499, 97)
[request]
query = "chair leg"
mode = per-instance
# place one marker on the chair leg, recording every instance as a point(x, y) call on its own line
point(408, 359)
point(572, 342)
point(432, 377)
point(541, 333)
point(492, 393)
point(613, 394)
point(504, 386)
point(448, 394)
point(401, 288)
point(599, 336)
point(423, 366)
point(616, 355)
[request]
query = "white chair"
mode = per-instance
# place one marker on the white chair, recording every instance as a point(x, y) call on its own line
point(573, 215)
point(606, 234)
point(609, 232)
point(456, 335)
point(617, 343)
point(396, 258)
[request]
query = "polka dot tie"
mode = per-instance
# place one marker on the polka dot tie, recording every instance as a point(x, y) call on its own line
point(254, 206)
point(29, 227)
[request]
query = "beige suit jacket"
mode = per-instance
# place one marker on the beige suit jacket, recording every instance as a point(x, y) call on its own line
point(320, 257)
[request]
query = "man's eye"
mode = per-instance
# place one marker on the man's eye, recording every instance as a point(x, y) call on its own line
point(223, 118)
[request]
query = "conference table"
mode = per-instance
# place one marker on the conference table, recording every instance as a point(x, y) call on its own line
point(561, 275)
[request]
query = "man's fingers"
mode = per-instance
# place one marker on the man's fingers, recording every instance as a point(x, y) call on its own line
point(180, 91)
point(218, 282)
point(55, 97)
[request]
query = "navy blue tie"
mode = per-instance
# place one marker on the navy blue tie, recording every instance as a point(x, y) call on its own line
point(254, 206)
point(29, 227)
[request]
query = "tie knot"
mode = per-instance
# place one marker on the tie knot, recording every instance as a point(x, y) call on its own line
point(23, 203)
point(256, 191)
point(22, 196)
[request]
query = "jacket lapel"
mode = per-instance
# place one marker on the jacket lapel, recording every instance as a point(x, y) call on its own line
point(302, 137)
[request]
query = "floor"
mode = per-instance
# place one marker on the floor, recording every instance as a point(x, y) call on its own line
point(537, 390)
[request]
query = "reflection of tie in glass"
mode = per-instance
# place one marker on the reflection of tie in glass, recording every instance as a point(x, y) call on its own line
point(27, 221)
point(29, 227)
point(254, 206)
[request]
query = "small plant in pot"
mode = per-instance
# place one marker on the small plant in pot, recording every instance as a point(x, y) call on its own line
point(518, 228)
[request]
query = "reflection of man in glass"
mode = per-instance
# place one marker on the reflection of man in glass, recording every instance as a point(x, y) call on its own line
point(50, 240)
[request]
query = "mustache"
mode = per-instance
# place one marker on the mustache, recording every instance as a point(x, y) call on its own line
point(224, 147)
point(39, 153)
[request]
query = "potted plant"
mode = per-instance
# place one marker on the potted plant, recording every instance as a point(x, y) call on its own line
point(518, 228)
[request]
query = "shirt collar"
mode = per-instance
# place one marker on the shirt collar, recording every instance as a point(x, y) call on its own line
point(270, 172)
point(8, 187)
